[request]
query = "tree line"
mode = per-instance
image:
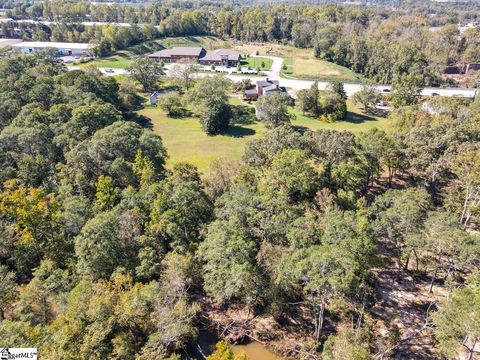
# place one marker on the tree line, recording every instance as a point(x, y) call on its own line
point(372, 41)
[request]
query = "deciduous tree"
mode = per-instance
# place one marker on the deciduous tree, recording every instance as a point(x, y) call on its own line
point(146, 71)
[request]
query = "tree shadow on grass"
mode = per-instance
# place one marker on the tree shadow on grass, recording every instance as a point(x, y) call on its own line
point(236, 131)
point(121, 54)
point(300, 128)
point(357, 118)
point(141, 120)
point(192, 39)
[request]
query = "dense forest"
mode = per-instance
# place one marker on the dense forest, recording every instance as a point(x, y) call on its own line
point(106, 253)
point(377, 42)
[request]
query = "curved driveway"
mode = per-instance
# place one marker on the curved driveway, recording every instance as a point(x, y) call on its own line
point(350, 89)
point(294, 84)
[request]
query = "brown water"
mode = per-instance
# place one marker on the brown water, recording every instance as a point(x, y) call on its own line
point(255, 351)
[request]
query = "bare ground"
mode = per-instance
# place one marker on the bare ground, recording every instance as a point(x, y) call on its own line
point(402, 310)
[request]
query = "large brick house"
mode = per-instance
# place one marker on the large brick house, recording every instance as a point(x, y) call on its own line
point(223, 57)
point(263, 87)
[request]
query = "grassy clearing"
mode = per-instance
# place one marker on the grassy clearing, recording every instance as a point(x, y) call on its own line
point(186, 142)
point(315, 69)
point(309, 68)
point(257, 62)
point(121, 60)
point(301, 64)
point(355, 121)
point(208, 42)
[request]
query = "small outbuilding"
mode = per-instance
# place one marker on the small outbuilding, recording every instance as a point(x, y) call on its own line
point(250, 94)
point(154, 98)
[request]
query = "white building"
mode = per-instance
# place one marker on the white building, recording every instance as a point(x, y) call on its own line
point(63, 48)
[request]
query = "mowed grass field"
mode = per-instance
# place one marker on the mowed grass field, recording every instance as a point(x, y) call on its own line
point(207, 42)
point(301, 63)
point(186, 142)
point(121, 60)
point(355, 121)
point(316, 69)
point(257, 62)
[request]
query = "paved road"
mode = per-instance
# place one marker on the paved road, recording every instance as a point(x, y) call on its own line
point(350, 89)
point(295, 85)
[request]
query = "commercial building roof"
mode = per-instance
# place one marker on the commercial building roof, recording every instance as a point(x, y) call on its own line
point(199, 52)
point(217, 55)
point(57, 45)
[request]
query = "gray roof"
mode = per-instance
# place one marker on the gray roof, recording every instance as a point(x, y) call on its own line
point(267, 83)
point(251, 92)
point(271, 88)
point(179, 51)
point(216, 55)
point(56, 45)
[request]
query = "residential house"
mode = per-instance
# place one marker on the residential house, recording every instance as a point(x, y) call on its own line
point(220, 57)
point(263, 88)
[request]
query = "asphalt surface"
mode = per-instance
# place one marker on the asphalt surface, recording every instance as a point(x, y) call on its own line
point(295, 85)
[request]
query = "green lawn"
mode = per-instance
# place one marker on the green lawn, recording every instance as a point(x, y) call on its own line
point(316, 69)
point(185, 140)
point(355, 121)
point(257, 62)
point(208, 42)
point(121, 60)
point(301, 63)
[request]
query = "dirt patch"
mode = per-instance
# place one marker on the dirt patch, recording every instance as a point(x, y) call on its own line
point(238, 326)
point(403, 309)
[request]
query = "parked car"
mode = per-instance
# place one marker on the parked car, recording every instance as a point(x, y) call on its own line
point(435, 94)
point(386, 90)
point(109, 71)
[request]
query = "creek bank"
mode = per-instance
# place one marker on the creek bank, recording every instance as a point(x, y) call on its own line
point(243, 330)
